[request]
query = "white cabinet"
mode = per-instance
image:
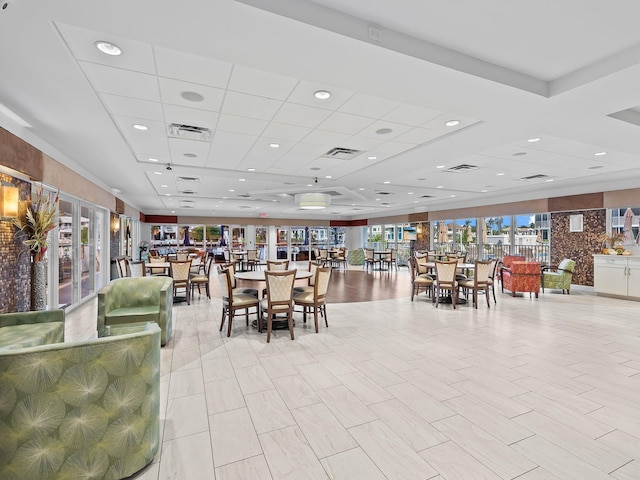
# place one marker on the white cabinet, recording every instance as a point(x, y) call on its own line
point(616, 275)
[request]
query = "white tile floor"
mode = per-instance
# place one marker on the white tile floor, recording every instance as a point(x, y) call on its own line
point(544, 388)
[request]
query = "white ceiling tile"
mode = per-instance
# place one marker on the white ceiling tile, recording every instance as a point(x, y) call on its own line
point(162, 159)
point(192, 68)
point(418, 136)
point(245, 125)
point(368, 106)
point(132, 107)
point(136, 56)
point(397, 129)
point(393, 148)
point(345, 123)
point(154, 128)
point(261, 83)
point(226, 156)
point(411, 115)
point(285, 132)
point(190, 116)
point(307, 150)
point(251, 106)
point(180, 147)
point(122, 82)
point(294, 114)
point(171, 91)
point(233, 138)
point(439, 123)
point(326, 139)
point(147, 143)
point(358, 142)
point(303, 94)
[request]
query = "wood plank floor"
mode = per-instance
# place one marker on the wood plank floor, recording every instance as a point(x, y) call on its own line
point(529, 389)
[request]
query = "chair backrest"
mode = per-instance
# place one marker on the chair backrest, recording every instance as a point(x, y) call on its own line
point(509, 259)
point(323, 274)
point(252, 255)
point(567, 265)
point(413, 266)
point(179, 270)
point(494, 268)
point(232, 272)
point(224, 279)
point(182, 256)
point(123, 267)
point(280, 287)
point(446, 271)
point(483, 271)
point(324, 254)
point(394, 255)
point(277, 265)
point(368, 254)
point(138, 269)
point(227, 255)
point(313, 267)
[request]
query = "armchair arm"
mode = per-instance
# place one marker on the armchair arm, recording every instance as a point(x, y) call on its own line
point(24, 318)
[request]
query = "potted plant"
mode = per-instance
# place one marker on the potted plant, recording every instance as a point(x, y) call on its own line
point(36, 218)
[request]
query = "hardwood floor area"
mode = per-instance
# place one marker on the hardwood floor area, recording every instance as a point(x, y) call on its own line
point(528, 389)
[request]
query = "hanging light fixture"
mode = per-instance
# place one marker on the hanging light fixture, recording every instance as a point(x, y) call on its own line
point(312, 201)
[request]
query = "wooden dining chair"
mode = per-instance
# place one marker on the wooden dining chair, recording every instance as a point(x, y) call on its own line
point(419, 280)
point(279, 299)
point(480, 280)
point(180, 272)
point(316, 298)
point(198, 280)
point(446, 280)
point(232, 301)
point(137, 269)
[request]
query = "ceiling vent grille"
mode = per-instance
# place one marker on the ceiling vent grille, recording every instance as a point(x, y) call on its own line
point(188, 179)
point(463, 167)
point(341, 153)
point(188, 192)
point(189, 132)
point(426, 196)
point(187, 204)
point(384, 193)
point(539, 176)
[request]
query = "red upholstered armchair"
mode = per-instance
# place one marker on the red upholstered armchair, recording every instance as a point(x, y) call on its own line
point(521, 277)
point(507, 261)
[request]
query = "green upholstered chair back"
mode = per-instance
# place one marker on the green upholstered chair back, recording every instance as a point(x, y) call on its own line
point(567, 265)
point(81, 409)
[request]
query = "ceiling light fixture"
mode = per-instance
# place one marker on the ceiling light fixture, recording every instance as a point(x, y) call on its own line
point(440, 166)
point(384, 131)
point(251, 169)
point(328, 176)
point(139, 126)
point(499, 174)
point(153, 159)
point(274, 145)
point(108, 48)
point(322, 94)
point(164, 186)
point(386, 182)
point(534, 140)
point(452, 123)
point(599, 154)
point(371, 157)
point(312, 201)
point(242, 180)
point(192, 96)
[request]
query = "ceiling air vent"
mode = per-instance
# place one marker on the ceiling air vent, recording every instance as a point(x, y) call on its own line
point(187, 204)
point(341, 153)
point(188, 179)
point(384, 193)
point(426, 196)
point(189, 132)
point(188, 192)
point(539, 176)
point(244, 195)
point(464, 167)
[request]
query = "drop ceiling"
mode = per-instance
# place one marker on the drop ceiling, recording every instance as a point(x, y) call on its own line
point(245, 74)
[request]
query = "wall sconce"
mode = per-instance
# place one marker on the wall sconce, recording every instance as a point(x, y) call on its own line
point(115, 225)
point(9, 201)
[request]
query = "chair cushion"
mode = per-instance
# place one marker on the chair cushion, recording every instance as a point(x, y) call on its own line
point(304, 289)
point(245, 291)
point(244, 300)
point(304, 297)
point(143, 313)
point(31, 335)
point(420, 280)
point(199, 279)
point(264, 304)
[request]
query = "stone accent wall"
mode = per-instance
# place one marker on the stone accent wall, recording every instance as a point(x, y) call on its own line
point(423, 239)
point(15, 261)
point(579, 246)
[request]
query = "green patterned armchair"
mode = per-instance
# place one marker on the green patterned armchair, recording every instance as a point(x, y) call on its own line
point(81, 409)
point(28, 329)
point(559, 277)
point(137, 299)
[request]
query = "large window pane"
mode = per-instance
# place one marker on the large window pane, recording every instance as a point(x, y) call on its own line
point(65, 253)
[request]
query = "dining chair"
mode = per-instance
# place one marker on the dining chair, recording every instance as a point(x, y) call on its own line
point(199, 280)
point(253, 262)
point(369, 259)
point(182, 256)
point(179, 271)
point(493, 277)
point(315, 299)
point(232, 301)
point(279, 299)
point(157, 271)
point(324, 256)
point(390, 259)
point(234, 284)
point(123, 267)
point(446, 280)
point(137, 269)
point(340, 259)
point(480, 280)
point(313, 266)
point(419, 280)
point(277, 265)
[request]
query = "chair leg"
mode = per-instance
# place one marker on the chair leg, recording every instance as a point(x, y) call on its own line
point(290, 317)
point(324, 310)
point(223, 315)
point(268, 328)
point(486, 294)
point(315, 316)
point(229, 322)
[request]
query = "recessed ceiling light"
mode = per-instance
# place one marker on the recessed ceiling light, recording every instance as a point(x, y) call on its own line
point(452, 196)
point(439, 186)
point(231, 190)
point(549, 180)
point(328, 176)
point(139, 126)
point(241, 180)
point(192, 96)
point(108, 48)
point(440, 166)
point(322, 94)
point(153, 159)
point(158, 173)
point(409, 193)
point(225, 198)
point(484, 191)
point(164, 186)
point(274, 145)
point(452, 123)
point(534, 140)
point(173, 211)
point(377, 199)
point(384, 131)
point(387, 182)
point(251, 169)
point(599, 154)
point(309, 185)
point(361, 189)
point(499, 174)
point(371, 157)
point(415, 201)
point(190, 155)
point(167, 194)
